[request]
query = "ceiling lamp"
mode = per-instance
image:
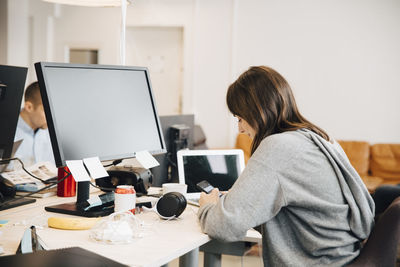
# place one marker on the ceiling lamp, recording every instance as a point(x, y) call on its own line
point(93, 3)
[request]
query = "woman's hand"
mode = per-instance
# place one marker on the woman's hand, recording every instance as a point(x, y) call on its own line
point(212, 197)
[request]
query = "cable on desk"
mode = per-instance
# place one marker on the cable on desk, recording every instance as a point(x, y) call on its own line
point(115, 162)
point(37, 191)
point(102, 188)
point(6, 161)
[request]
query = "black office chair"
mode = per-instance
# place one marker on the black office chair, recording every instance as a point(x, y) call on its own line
point(380, 250)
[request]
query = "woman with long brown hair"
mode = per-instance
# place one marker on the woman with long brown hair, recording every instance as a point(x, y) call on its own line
point(298, 188)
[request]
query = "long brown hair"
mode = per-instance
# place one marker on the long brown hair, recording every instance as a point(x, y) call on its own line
point(263, 98)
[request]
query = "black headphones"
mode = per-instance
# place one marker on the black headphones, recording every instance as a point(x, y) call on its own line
point(170, 205)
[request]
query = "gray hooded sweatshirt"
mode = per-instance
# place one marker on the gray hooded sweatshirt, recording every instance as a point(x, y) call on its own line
point(305, 198)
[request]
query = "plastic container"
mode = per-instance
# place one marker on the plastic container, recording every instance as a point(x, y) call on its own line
point(66, 188)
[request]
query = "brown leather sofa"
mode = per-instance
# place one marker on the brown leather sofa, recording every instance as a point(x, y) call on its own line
point(377, 164)
point(243, 142)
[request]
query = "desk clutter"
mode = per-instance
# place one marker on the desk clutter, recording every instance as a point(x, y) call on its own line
point(118, 228)
point(168, 206)
point(19, 182)
point(147, 232)
point(81, 144)
point(121, 226)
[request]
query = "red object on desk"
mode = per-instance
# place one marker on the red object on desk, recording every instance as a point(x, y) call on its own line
point(66, 188)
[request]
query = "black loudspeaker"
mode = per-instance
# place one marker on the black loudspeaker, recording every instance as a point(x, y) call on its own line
point(7, 188)
point(140, 178)
point(171, 205)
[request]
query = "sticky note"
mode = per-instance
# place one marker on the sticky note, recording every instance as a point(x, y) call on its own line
point(146, 159)
point(94, 201)
point(95, 168)
point(78, 170)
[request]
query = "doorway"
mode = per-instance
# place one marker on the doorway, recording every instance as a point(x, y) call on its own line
point(83, 56)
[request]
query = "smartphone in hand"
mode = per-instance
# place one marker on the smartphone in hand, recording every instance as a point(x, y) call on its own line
point(204, 186)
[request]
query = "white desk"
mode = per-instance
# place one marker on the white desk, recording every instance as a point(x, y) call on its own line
point(166, 241)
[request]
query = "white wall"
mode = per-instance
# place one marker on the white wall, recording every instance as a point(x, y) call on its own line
point(90, 28)
point(212, 73)
point(18, 33)
point(341, 57)
point(41, 35)
point(26, 34)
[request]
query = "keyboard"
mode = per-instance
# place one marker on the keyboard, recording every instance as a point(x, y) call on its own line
point(15, 202)
point(193, 201)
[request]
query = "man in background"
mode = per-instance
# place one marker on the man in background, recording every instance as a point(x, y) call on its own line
point(32, 128)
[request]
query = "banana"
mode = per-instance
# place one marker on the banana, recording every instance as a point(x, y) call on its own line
point(68, 223)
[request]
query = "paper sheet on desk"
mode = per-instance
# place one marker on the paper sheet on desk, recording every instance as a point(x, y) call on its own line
point(78, 171)
point(43, 170)
point(95, 168)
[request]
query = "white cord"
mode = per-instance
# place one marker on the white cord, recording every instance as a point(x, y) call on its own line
point(154, 209)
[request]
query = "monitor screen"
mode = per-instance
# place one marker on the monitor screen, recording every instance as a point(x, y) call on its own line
point(220, 168)
point(12, 82)
point(99, 110)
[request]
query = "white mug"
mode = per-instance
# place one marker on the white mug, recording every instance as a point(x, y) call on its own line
point(174, 187)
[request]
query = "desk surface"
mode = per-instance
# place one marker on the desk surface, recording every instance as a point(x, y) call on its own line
point(165, 241)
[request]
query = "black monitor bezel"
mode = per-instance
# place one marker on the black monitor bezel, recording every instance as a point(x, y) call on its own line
point(15, 81)
point(52, 124)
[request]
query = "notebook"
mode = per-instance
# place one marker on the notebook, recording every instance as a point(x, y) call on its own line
point(220, 168)
point(67, 257)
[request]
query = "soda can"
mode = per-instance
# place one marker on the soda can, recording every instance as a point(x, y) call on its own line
point(125, 198)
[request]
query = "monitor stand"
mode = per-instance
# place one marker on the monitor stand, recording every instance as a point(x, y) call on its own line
point(73, 208)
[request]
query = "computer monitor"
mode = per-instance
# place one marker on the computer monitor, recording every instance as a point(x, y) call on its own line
point(166, 171)
point(12, 83)
point(98, 110)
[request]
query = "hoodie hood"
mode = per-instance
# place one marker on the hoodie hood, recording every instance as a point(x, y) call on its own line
point(361, 204)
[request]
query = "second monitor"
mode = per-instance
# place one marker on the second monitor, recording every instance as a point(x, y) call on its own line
point(171, 126)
